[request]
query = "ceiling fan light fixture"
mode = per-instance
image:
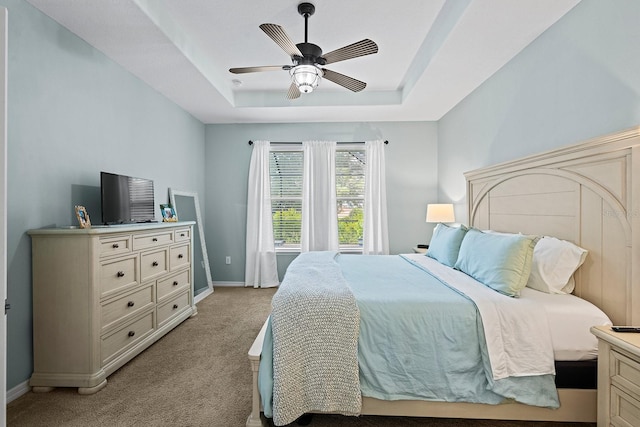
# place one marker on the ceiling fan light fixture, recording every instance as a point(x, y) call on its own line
point(307, 58)
point(306, 77)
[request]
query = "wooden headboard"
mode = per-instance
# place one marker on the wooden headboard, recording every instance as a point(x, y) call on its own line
point(588, 193)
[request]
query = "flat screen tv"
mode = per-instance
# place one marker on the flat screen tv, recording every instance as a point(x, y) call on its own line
point(126, 199)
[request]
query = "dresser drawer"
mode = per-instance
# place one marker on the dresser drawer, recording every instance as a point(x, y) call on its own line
point(179, 257)
point(115, 343)
point(625, 373)
point(625, 409)
point(176, 283)
point(118, 309)
point(116, 245)
point(171, 308)
point(182, 235)
point(153, 264)
point(118, 275)
point(144, 241)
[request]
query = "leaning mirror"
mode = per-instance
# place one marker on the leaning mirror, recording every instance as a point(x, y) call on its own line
point(187, 208)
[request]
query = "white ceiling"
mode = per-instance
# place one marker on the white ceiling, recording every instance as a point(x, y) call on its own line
point(432, 53)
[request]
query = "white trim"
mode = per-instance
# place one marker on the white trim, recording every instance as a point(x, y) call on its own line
point(17, 391)
point(4, 24)
point(228, 284)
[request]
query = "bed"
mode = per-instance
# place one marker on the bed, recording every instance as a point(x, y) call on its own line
point(586, 194)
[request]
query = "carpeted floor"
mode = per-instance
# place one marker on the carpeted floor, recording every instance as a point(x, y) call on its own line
point(197, 375)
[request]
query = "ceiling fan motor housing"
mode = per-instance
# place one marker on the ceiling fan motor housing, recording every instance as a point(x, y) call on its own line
point(312, 54)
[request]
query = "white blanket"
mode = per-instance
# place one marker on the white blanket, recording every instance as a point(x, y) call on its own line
point(516, 330)
point(315, 323)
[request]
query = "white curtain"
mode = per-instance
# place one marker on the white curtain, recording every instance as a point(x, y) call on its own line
point(375, 239)
point(261, 269)
point(319, 209)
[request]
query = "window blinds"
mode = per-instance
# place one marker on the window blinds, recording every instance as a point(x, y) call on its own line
point(285, 170)
point(286, 197)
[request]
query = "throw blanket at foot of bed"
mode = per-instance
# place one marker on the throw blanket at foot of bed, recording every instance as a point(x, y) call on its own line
point(315, 324)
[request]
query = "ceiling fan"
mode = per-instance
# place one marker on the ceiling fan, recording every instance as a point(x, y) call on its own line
point(307, 59)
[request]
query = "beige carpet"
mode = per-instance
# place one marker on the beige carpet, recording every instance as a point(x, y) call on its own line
point(197, 375)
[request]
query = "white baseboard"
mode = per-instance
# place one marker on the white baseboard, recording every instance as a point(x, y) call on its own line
point(17, 391)
point(228, 284)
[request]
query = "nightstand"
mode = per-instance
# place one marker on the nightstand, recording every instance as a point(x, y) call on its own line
point(618, 377)
point(420, 250)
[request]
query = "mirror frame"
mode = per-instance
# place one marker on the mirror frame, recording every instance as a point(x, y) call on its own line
point(172, 196)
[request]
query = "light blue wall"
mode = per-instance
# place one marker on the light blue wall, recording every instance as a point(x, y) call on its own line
point(579, 80)
point(411, 159)
point(72, 113)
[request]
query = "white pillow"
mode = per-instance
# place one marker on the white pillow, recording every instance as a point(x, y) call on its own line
point(554, 262)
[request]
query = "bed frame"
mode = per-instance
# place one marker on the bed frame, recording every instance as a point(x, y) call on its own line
point(586, 193)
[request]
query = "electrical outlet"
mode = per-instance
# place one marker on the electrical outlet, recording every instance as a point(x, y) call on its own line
point(227, 260)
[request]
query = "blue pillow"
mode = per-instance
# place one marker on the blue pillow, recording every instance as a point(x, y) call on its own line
point(445, 243)
point(502, 262)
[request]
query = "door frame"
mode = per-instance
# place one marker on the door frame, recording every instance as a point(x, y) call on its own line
point(3, 209)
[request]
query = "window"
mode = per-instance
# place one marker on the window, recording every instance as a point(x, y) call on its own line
point(350, 197)
point(285, 167)
point(285, 170)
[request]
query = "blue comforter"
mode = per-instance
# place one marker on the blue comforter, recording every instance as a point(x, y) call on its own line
point(419, 339)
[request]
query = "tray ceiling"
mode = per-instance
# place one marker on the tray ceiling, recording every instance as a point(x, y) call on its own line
point(431, 55)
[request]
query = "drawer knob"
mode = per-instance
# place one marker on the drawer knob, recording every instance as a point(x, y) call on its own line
point(175, 306)
point(120, 274)
point(115, 246)
point(154, 263)
point(181, 234)
point(131, 333)
point(175, 283)
point(180, 256)
point(155, 239)
point(131, 304)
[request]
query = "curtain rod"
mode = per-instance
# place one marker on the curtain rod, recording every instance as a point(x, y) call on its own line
point(300, 142)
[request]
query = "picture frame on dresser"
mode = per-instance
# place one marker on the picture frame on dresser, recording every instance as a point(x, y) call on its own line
point(168, 213)
point(83, 217)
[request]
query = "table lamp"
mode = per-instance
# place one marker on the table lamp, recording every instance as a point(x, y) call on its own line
point(440, 212)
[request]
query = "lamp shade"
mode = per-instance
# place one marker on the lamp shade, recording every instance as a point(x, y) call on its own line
point(306, 77)
point(440, 212)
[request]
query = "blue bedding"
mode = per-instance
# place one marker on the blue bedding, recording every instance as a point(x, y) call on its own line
point(419, 339)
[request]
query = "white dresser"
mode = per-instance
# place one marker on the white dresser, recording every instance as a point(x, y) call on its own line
point(618, 378)
point(102, 295)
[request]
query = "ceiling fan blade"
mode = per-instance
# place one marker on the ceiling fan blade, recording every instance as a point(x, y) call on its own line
point(243, 70)
point(278, 35)
point(344, 81)
point(361, 48)
point(293, 92)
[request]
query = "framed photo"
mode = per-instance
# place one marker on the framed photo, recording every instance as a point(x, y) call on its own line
point(83, 217)
point(168, 213)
